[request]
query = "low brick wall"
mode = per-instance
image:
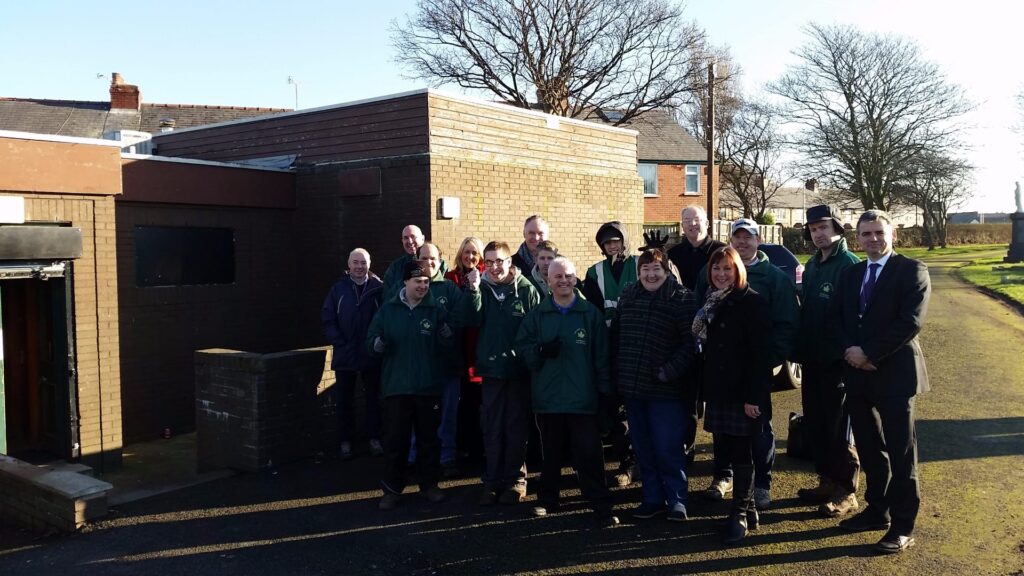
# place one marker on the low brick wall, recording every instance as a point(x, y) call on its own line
point(256, 410)
point(41, 499)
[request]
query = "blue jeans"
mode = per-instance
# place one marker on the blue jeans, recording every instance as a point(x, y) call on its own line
point(762, 446)
point(449, 419)
point(657, 429)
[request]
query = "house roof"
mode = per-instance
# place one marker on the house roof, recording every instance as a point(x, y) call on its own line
point(661, 138)
point(89, 119)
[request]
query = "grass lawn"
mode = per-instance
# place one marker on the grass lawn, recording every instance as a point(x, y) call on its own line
point(920, 253)
point(981, 273)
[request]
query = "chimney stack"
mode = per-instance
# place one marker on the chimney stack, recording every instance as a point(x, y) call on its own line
point(124, 96)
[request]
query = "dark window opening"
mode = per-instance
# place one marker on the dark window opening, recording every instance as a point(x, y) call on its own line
point(183, 256)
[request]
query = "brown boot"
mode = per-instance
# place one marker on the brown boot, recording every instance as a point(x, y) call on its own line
point(823, 492)
point(839, 505)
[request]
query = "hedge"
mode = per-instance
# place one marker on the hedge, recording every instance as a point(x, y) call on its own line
point(956, 235)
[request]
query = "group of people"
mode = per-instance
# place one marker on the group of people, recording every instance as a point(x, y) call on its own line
point(640, 347)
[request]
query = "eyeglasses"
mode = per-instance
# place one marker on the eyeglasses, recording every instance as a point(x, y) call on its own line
point(493, 263)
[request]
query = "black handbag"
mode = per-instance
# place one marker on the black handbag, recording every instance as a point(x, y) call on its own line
point(797, 446)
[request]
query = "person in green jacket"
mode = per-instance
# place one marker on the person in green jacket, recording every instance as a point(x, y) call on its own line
point(546, 252)
point(827, 424)
point(564, 342)
point(412, 334)
point(497, 303)
point(605, 281)
point(412, 239)
point(447, 296)
point(775, 286)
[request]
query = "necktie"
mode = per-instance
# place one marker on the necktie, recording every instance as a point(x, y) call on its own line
point(869, 286)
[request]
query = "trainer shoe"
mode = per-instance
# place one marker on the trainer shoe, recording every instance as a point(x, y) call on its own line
point(376, 448)
point(646, 511)
point(761, 498)
point(512, 496)
point(346, 451)
point(840, 505)
point(719, 489)
point(677, 513)
point(625, 476)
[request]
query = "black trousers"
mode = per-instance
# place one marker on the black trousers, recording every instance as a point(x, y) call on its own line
point(887, 444)
point(828, 424)
point(404, 414)
point(693, 403)
point(584, 439)
point(505, 416)
point(740, 452)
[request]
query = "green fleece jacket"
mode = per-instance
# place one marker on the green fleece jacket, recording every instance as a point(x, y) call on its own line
point(499, 309)
point(571, 382)
point(449, 297)
point(415, 352)
point(771, 283)
point(818, 341)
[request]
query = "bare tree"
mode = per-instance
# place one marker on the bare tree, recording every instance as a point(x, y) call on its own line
point(867, 105)
point(751, 170)
point(571, 56)
point(937, 184)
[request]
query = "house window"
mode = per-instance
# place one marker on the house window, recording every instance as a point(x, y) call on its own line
point(692, 180)
point(781, 215)
point(649, 172)
point(183, 256)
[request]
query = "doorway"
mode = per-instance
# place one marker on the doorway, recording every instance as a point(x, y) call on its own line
point(38, 421)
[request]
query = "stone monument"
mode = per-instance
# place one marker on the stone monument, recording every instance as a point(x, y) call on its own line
point(1016, 252)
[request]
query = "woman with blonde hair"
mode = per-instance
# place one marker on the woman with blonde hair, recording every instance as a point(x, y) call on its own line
point(469, 256)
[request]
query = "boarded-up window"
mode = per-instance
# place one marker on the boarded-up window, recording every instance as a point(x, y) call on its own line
point(183, 256)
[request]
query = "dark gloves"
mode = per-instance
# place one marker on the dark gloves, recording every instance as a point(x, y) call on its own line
point(654, 241)
point(549, 349)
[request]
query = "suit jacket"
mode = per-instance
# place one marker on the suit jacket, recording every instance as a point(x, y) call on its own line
point(888, 330)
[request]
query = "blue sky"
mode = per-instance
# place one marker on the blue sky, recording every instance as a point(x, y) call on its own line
point(241, 53)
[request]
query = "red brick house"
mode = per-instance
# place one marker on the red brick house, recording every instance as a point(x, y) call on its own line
point(671, 162)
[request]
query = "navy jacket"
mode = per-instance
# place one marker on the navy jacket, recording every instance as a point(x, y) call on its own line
point(345, 318)
point(887, 333)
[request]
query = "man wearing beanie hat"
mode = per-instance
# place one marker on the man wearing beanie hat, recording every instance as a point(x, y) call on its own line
point(818, 350)
point(605, 281)
point(412, 334)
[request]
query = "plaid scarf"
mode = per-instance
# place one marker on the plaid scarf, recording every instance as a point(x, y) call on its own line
point(706, 314)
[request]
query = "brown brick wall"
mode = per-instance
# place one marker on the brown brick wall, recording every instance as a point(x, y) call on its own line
point(497, 198)
point(161, 327)
point(330, 223)
point(96, 319)
point(671, 199)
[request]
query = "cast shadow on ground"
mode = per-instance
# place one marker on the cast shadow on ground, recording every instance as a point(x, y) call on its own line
point(967, 439)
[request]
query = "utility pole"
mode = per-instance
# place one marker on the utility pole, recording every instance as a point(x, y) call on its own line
point(294, 82)
point(711, 149)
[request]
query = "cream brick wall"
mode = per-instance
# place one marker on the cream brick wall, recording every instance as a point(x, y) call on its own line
point(96, 318)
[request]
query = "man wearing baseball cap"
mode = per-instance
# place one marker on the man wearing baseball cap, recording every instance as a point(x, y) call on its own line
point(819, 352)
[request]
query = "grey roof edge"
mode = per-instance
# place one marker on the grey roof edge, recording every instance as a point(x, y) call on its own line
point(56, 138)
point(175, 159)
point(427, 91)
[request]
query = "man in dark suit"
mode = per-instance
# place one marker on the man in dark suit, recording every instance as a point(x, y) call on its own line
point(882, 303)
